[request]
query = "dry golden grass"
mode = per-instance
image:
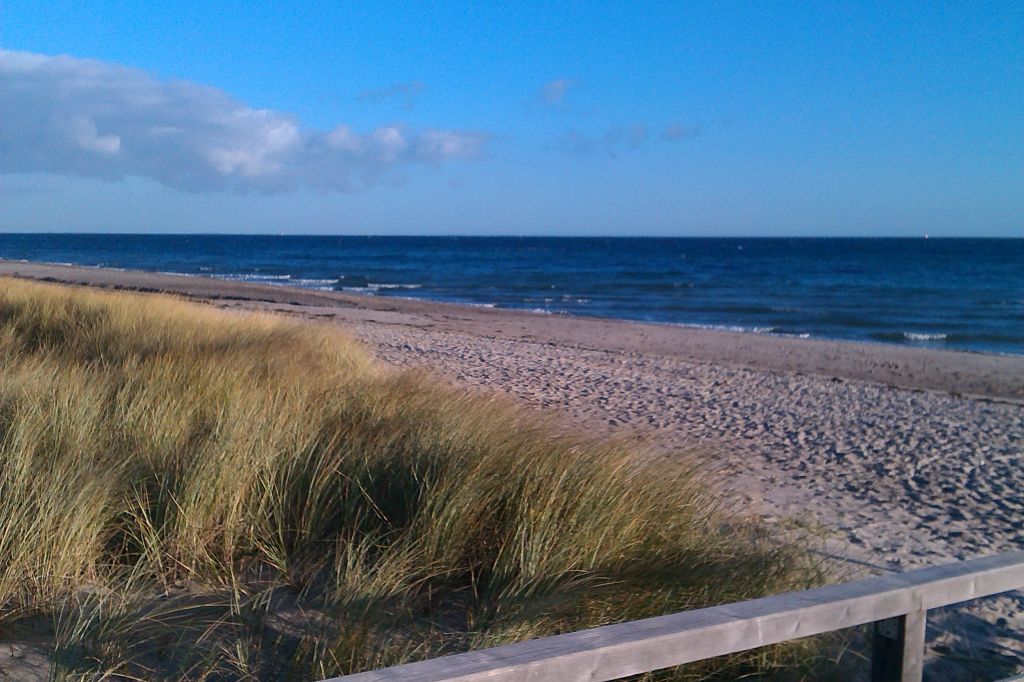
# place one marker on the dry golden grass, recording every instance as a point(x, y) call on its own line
point(187, 493)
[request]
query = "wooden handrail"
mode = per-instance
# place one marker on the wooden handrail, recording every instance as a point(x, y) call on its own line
point(897, 604)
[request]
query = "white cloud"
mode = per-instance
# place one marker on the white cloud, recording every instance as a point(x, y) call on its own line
point(90, 118)
point(83, 132)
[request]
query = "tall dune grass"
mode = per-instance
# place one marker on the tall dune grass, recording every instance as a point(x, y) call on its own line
point(187, 493)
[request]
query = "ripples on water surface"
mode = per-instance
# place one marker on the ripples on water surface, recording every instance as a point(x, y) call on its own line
point(947, 293)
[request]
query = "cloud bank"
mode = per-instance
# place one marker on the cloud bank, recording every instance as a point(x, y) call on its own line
point(84, 117)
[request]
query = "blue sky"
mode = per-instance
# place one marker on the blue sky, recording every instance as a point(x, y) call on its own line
point(513, 118)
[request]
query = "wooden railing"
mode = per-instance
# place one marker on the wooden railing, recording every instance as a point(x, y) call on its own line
point(897, 605)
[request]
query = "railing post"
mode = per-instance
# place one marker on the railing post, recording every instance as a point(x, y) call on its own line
point(897, 648)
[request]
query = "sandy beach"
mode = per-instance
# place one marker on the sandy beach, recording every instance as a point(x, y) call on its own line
point(895, 457)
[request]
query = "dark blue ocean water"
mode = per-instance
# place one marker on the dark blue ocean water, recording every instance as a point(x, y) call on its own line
point(947, 293)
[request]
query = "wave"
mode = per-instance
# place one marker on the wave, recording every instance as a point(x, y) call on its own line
point(245, 277)
point(726, 328)
point(789, 333)
point(341, 283)
point(317, 284)
point(903, 336)
point(774, 331)
point(923, 336)
point(373, 287)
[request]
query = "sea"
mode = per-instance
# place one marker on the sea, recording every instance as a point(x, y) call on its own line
point(962, 294)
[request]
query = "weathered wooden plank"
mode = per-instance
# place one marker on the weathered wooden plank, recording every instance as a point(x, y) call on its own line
point(915, 625)
point(614, 651)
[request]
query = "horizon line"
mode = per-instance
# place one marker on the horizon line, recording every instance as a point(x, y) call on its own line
point(495, 236)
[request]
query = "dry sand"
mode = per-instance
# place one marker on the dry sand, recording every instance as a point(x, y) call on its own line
point(900, 457)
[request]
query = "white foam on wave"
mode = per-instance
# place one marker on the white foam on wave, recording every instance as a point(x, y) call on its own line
point(242, 277)
point(922, 336)
point(318, 284)
point(373, 287)
point(725, 327)
point(265, 278)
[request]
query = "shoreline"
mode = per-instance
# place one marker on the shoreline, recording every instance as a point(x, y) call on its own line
point(972, 374)
point(286, 283)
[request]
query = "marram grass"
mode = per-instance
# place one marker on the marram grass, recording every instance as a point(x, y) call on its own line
point(188, 493)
